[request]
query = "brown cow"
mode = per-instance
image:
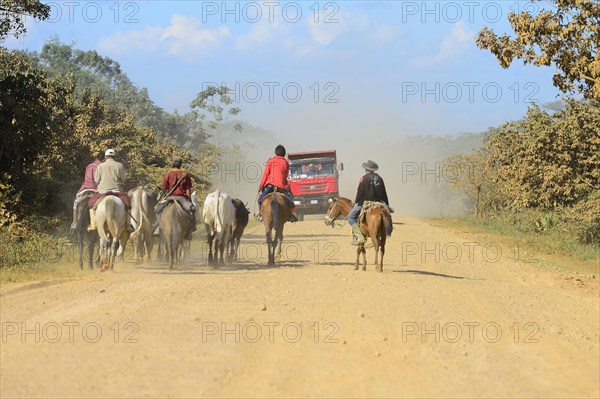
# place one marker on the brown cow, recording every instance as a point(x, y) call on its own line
point(237, 228)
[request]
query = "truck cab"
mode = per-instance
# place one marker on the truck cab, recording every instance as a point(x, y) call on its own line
point(313, 180)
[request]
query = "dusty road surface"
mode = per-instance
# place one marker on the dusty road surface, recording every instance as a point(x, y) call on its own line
point(452, 315)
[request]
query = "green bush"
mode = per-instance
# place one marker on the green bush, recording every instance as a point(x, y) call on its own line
point(23, 248)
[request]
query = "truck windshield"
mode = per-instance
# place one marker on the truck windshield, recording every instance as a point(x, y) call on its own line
point(311, 170)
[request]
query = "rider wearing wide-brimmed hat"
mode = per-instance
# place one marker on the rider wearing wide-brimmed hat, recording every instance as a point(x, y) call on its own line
point(370, 188)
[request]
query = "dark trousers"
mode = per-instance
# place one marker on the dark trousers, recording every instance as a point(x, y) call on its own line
point(270, 188)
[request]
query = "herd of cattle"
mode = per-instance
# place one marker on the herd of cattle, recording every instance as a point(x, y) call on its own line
point(225, 219)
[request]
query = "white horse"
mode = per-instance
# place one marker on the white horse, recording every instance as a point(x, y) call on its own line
point(111, 222)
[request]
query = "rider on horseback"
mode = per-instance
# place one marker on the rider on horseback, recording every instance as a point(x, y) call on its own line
point(370, 188)
point(274, 178)
point(109, 176)
point(178, 186)
point(88, 186)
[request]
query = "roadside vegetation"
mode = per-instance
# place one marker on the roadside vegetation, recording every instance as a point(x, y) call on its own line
point(539, 177)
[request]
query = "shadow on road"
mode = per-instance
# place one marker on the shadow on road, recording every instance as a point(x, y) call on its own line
point(425, 273)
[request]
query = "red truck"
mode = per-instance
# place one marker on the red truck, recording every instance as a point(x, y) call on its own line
point(314, 180)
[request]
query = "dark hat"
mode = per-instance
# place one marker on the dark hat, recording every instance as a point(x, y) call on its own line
point(176, 162)
point(370, 166)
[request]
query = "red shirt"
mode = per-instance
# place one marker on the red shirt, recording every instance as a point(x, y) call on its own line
point(171, 178)
point(276, 173)
point(88, 180)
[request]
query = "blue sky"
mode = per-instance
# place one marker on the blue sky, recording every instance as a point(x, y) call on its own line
point(313, 70)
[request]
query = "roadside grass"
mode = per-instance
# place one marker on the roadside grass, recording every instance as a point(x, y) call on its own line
point(553, 247)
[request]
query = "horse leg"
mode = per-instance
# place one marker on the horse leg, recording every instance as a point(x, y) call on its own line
point(279, 242)
point(80, 248)
point(382, 249)
point(376, 247)
point(116, 252)
point(270, 248)
point(357, 257)
point(364, 256)
point(122, 242)
point(102, 253)
point(171, 252)
point(90, 254)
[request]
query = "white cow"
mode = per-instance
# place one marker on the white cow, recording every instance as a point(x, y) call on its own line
point(144, 220)
point(219, 215)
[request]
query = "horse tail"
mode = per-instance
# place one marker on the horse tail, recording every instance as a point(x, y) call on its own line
point(275, 212)
point(110, 214)
point(387, 221)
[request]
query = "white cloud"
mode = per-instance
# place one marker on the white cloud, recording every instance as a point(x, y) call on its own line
point(325, 33)
point(383, 34)
point(184, 37)
point(453, 45)
point(187, 38)
point(261, 34)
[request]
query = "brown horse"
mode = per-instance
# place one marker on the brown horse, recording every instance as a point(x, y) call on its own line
point(174, 223)
point(337, 207)
point(377, 224)
point(275, 212)
point(82, 217)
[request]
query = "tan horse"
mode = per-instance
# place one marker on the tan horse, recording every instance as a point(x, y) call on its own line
point(377, 224)
point(275, 212)
point(337, 207)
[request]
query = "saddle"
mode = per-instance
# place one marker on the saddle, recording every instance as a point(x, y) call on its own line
point(186, 205)
point(271, 189)
point(368, 206)
point(98, 197)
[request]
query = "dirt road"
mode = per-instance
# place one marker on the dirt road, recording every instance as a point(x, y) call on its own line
point(452, 315)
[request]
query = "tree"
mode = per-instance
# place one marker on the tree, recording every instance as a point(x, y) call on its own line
point(91, 71)
point(205, 101)
point(49, 134)
point(548, 161)
point(469, 175)
point(14, 12)
point(568, 37)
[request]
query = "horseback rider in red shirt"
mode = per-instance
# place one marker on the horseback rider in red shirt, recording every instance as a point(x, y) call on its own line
point(274, 178)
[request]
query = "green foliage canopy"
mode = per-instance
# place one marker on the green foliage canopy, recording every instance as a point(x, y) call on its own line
point(568, 37)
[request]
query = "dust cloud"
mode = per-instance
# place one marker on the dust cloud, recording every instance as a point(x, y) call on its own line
point(411, 166)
